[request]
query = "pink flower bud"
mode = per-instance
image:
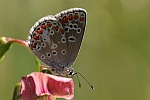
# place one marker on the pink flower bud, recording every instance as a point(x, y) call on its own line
point(38, 84)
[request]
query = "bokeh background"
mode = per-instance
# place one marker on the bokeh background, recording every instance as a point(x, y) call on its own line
point(115, 54)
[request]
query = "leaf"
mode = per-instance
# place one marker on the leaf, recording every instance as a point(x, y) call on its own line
point(4, 47)
point(37, 62)
point(16, 94)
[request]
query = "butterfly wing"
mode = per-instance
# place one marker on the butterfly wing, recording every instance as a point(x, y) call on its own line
point(56, 40)
point(73, 22)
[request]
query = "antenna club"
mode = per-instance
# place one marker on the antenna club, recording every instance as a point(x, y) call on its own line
point(84, 79)
point(92, 87)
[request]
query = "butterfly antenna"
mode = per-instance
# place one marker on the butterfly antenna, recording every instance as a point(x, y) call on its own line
point(84, 79)
point(78, 81)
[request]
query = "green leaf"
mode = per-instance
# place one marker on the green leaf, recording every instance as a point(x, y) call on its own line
point(37, 62)
point(4, 47)
point(16, 94)
point(39, 66)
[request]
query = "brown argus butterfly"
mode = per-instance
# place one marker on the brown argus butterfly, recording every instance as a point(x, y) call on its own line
point(56, 40)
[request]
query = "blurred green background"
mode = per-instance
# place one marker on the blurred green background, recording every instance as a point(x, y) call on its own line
point(115, 54)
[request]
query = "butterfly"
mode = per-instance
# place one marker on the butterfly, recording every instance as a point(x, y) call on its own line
point(56, 40)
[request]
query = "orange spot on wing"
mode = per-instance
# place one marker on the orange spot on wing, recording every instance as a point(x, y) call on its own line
point(40, 31)
point(70, 17)
point(36, 37)
point(65, 19)
point(44, 26)
point(49, 24)
point(75, 16)
point(61, 30)
point(56, 27)
point(34, 45)
point(81, 18)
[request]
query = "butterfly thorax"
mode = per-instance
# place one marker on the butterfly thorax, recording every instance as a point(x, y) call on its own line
point(62, 71)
